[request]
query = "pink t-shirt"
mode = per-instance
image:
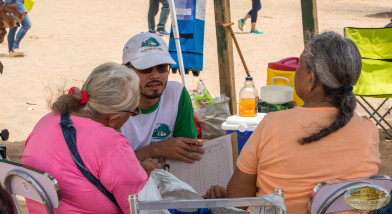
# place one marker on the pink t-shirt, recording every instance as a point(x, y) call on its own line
point(106, 154)
point(273, 153)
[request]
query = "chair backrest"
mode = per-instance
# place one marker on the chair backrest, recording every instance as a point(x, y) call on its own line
point(31, 183)
point(274, 200)
point(351, 195)
point(375, 46)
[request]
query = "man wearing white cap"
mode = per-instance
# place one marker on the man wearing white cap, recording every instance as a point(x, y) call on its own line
point(165, 128)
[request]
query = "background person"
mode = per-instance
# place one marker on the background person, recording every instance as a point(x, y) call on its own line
point(323, 140)
point(109, 96)
point(256, 6)
point(7, 21)
point(165, 127)
point(152, 12)
point(13, 41)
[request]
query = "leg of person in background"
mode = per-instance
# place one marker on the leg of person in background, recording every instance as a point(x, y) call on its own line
point(256, 6)
point(13, 43)
point(163, 18)
point(152, 11)
point(26, 25)
point(11, 39)
point(241, 22)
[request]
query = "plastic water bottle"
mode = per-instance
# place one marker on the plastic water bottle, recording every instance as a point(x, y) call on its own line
point(248, 99)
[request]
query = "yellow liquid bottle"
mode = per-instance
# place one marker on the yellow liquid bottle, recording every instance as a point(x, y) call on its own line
point(247, 108)
point(248, 99)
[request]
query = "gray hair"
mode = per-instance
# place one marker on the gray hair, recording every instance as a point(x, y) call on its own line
point(336, 63)
point(110, 88)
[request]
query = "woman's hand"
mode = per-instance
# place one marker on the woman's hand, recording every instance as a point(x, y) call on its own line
point(216, 191)
point(150, 164)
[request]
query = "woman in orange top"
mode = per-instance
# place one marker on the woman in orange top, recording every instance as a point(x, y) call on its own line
point(323, 140)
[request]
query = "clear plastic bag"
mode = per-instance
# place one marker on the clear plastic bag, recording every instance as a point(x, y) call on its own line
point(211, 116)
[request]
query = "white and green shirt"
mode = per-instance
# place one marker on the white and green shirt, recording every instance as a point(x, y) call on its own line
point(171, 116)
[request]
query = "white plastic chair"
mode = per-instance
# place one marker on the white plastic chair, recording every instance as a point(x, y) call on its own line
point(330, 197)
point(137, 205)
point(31, 183)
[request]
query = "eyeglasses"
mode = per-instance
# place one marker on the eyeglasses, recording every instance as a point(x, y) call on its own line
point(163, 68)
point(135, 112)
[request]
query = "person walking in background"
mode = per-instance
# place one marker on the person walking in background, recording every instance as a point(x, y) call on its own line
point(13, 42)
point(152, 12)
point(6, 21)
point(256, 6)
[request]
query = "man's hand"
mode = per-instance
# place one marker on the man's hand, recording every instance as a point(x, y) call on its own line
point(150, 164)
point(176, 148)
point(216, 191)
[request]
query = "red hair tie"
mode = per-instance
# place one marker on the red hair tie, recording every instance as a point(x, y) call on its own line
point(83, 96)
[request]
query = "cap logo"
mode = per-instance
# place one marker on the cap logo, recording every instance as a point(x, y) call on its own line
point(150, 42)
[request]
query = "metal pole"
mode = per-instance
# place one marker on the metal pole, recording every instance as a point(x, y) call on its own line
point(132, 198)
point(176, 37)
point(280, 193)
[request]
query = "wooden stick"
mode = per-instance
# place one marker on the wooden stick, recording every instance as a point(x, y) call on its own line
point(228, 25)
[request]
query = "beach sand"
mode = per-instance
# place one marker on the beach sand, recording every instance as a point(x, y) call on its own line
point(69, 38)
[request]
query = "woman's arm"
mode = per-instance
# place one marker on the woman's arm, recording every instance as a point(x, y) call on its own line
point(240, 185)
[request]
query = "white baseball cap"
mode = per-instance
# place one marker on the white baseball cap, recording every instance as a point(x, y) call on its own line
point(146, 50)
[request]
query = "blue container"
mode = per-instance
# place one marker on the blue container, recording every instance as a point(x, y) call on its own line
point(242, 137)
point(191, 22)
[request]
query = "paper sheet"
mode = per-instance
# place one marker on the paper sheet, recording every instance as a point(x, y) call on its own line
point(215, 166)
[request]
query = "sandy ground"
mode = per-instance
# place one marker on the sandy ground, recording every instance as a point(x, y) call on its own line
point(69, 38)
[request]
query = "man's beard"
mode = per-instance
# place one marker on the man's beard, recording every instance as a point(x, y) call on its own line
point(155, 94)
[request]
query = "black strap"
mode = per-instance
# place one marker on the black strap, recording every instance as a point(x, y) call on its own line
point(69, 133)
point(183, 35)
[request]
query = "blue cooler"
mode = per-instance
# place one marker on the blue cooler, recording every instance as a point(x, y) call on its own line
point(243, 126)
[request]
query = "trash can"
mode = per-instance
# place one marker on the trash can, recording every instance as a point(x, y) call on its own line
point(284, 68)
point(243, 126)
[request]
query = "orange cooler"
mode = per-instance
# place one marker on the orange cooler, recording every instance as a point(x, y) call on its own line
point(284, 68)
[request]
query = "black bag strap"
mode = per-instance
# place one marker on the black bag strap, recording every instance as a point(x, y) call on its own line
point(69, 133)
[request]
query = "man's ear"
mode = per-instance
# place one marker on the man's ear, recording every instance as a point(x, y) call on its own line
point(113, 120)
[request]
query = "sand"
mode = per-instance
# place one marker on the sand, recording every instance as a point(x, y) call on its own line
point(69, 38)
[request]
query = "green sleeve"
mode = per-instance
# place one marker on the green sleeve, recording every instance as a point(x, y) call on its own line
point(185, 125)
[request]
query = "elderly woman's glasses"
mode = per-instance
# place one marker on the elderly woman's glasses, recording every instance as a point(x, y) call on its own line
point(160, 68)
point(135, 112)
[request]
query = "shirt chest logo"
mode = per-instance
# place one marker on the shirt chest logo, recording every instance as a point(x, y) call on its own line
point(161, 131)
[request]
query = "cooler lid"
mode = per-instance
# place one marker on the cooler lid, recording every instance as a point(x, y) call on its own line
point(242, 124)
point(286, 64)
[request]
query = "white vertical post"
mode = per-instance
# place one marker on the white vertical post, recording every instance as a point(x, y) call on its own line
point(132, 198)
point(176, 37)
point(280, 193)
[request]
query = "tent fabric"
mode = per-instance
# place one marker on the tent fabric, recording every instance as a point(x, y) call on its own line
point(375, 46)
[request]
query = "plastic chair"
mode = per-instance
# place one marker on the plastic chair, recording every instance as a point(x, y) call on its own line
point(375, 46)
point(136, 205)
point(331, 197)
point(31, 183)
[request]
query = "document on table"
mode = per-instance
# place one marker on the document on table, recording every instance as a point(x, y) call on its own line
point(215, 167)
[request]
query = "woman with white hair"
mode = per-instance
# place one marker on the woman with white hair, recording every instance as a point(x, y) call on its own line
point(321, 141)
point(77, 143)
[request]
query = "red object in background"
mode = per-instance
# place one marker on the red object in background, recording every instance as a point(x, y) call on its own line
point(198, 128)
point(286, 64)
